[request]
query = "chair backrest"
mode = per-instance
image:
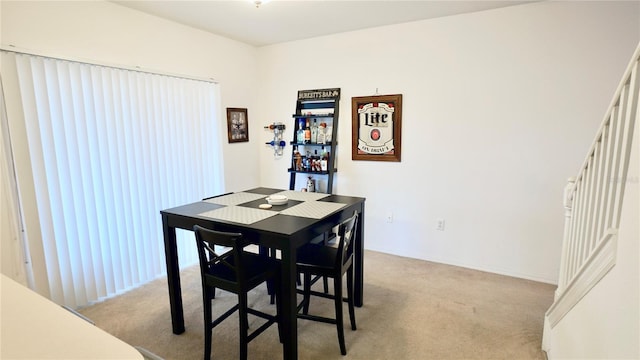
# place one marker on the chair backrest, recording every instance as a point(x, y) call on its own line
point(346, 234)
point(217, 265)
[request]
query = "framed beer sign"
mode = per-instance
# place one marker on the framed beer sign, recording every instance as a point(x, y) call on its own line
point(376, 127)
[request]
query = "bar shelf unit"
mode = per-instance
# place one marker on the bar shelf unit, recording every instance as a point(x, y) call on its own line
point(319, 106)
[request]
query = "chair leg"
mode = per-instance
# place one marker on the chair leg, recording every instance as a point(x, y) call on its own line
point(279, 311)
point(307, 293)
point(207, 323)
point(352, 313)
point(270, 283)
point(271, 291)
point(337, 288)
point(244, 324)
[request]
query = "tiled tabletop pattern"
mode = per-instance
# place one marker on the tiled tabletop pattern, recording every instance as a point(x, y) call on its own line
point(313, 209)
point(309, 207)
point(239, 214)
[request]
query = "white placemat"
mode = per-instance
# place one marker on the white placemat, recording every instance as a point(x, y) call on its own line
point(239, 214)
point(313, 209)
point(302, 195)
point(235, 198)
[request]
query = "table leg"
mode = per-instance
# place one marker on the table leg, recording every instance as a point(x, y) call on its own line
point(173, 276)
point(289, 305)
point(359, 261)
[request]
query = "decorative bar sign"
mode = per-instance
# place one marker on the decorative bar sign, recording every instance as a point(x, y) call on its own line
point(322, 94)
point(376, 127)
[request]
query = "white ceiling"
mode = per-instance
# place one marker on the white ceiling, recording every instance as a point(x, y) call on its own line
point(279, 21)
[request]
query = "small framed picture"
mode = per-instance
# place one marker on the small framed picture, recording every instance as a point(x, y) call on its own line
point(237, 125)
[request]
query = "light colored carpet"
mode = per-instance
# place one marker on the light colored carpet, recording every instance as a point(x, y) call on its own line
point(412, 309)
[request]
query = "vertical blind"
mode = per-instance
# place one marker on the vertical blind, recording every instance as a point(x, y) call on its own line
point(109, 149)
point(13, 254)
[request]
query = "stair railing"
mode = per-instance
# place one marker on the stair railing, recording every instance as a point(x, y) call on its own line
point(593, 199)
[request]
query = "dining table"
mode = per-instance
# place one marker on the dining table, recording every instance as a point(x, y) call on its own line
point(304, 217)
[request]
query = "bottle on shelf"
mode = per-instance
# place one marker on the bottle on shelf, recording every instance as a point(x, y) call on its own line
point(311, 185)
point(314, 132)
point(300, 132)
point(322, 133)
point(297, 160)
point(324, 161)
point(307, 133)
point(315, 166)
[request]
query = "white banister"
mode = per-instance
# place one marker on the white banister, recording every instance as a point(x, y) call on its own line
point(568, 201)
point(593, 199)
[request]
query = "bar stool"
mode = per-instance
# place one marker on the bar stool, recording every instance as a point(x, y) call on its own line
point(332, 262)
point(236, 271)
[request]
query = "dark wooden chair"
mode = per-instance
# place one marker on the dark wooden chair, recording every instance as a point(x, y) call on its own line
point(331, 262)
point(236, 271)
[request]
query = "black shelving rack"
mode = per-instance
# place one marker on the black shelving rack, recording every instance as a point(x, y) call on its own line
point(321, 105)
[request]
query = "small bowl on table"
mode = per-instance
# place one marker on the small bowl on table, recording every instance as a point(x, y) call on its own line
point(277, 199)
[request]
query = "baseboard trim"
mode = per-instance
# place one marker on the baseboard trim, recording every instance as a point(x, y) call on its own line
point(595, 268)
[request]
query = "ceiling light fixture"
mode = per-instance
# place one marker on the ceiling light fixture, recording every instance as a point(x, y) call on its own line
point(257, 3)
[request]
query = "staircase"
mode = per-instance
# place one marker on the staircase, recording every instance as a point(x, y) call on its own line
point(593, 202)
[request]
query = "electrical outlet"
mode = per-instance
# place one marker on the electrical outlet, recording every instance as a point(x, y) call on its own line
point(389, 217)
point(440, 224)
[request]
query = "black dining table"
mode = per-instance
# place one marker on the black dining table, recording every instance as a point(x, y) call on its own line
point(305, 216)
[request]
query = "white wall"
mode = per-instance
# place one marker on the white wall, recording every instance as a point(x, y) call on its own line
point(107, 33)
point(499, 108)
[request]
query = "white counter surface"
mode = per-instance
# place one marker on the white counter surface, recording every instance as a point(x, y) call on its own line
point(33, 327)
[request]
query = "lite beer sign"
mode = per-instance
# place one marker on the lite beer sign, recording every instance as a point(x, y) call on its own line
point(376, 128)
